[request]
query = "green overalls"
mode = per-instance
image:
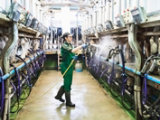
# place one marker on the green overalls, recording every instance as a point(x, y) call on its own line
point(66, 52)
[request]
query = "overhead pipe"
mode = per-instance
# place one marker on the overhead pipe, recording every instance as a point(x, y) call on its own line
point(60, 4)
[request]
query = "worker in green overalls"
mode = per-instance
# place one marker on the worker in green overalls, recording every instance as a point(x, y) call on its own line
point(68, 54)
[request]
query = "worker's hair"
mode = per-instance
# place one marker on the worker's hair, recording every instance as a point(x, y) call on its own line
point(65, 35)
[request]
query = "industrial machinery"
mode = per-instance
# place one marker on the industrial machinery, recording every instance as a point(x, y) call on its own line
point(109, 25)
point(124, 54)
point(120, 21)
point(139, 15)
point(119, 81)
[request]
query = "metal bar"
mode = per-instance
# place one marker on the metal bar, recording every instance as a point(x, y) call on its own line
point(151, 33)
point(60, 4)
point(150, 24)
point(125, 4)
point(149, 77)
point(12, 72)
point(120, 8)
point(108, 10)
point(123, 29)
point(120, 36)
point(113, 11)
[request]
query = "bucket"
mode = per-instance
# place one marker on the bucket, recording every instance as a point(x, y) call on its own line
point(78, 66)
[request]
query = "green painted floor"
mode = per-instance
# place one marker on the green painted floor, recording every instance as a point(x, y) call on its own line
point(92, 103)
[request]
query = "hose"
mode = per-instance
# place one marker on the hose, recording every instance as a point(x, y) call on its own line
point(33, 68)
point(111, 78)
point(41, 58)
point(2, 92)
point(144, 73)
point(124, 81)
point(36, 62)
point(28, 71)
point(15, 89)
point(103, 72)
point(62, 76)
point(18, 88)
point(36, 65)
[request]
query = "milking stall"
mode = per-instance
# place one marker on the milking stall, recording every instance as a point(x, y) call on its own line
point(79, 60)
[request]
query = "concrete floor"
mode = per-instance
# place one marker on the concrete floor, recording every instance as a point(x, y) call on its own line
point(91, 101)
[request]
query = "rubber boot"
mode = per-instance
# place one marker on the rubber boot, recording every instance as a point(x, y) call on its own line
point(68, 100)
point(59, 94)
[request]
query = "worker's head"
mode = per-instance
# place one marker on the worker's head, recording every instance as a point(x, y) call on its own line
point(67, 37)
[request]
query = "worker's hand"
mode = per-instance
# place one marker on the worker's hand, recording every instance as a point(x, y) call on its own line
point(84, 46)
point(79, 51)
point(75, 57)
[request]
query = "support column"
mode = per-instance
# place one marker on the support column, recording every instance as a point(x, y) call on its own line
point(132, 40)
point(13, 41)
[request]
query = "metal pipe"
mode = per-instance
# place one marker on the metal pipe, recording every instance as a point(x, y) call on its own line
point(112, 11)
point(12, 72)
point(96, 15)
point(77, 29)
point(108, 10)
point(120, 8)
point(145, 4)
point(102, 15)
point(137, 85)
point(91, 20)
point(138, 3)
point(156, 80)
point(125, 4)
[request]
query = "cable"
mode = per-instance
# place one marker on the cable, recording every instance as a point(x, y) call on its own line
point(18, 88)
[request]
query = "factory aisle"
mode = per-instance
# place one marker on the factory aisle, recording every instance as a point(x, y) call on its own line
point(91, 101)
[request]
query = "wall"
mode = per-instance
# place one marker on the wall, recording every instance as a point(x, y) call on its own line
point(33, 6)
point(117, 7)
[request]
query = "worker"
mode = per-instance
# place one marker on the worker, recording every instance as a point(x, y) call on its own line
point(68, 54)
